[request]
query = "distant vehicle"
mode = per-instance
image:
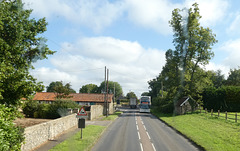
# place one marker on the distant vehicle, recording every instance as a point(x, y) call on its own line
point(133, 103)
point(145, 104)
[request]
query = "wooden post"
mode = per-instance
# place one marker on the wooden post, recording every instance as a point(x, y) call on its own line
point(200, 110)
point(236, 117)
point(206, 110)
point(226, 115)
point(211, 112)
point(218, 113)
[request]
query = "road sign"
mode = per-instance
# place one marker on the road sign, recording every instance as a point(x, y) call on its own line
point(82, 113)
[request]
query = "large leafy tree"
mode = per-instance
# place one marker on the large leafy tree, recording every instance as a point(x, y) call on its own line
point(131, 95)
point(89, 88)
point(193, 44)
point(234, 77)
point(20, 46)
point(60, 89)
point(111, 86)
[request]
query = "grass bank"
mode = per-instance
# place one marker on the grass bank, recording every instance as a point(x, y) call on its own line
point(209, 132)
point(90, 135)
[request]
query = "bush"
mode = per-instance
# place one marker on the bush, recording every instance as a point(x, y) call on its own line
point(11, 137)
point(59, 108)
point(29, 108)
point(225, 98)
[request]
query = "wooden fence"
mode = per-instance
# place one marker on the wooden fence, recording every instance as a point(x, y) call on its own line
point(226, 115)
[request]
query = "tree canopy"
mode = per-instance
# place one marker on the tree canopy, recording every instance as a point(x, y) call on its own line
point(131, 95)
point(62, 90)
point(20, 46)
point(111, 85)
point(89, 88)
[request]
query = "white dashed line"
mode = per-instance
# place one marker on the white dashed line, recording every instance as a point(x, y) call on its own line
point(144, 127)
point(141, 146)
point(139, 136)
point(148, 135)
point(137, 127)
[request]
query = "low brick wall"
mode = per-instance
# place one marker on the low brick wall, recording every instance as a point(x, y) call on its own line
point(39, 134)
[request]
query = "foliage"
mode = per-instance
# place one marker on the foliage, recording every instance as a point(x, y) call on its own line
point(30, 107)
point(182, 74)
point(225, 98)
point(20, 46)
point(59, 108)
point(61, 90)
point(131, 95)
point(234, 77)
point(111, 85)
point(145, 94)
point(89, 88)
point(11, 137)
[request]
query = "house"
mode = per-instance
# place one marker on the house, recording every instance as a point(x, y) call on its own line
point(79, 98)
point(184, 105)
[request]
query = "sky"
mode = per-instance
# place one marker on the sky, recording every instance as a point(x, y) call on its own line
point(129, 37)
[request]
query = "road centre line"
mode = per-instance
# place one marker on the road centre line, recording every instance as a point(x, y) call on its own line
point(144, 127)
point(139, 136)
point(148, 135)
point(137, 127)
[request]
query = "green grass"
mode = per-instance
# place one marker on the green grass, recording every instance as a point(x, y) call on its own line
point(209, 132)
point(111, 117)
point(90, 135)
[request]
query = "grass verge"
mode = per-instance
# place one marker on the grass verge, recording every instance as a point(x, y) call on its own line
point(211, 133)
point(90, 135)
point(111, 117)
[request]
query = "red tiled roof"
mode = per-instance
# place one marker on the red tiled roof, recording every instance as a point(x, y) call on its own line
point(78, 97)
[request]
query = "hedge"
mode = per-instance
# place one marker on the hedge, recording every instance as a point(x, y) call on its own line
point(225, 98)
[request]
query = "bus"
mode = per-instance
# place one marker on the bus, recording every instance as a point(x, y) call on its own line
point(145, 104)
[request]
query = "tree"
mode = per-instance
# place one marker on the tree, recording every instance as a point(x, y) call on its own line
point(131, 95)
point(20, 46)
point(234, 77)
point(89, 88)
point(193, 45)
point(61, 90)
point(111, 85)
point(217, 78)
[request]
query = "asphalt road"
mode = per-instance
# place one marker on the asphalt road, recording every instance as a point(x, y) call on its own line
point(134, 131)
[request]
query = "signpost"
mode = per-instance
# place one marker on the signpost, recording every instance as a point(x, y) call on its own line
point(81, 115)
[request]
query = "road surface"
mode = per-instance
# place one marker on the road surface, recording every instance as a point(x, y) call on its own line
point(134, 131)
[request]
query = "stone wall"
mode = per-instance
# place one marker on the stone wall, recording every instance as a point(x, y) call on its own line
point(39, 134)
point(96, 111)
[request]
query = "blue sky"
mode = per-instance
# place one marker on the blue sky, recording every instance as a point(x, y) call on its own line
point(129, 37)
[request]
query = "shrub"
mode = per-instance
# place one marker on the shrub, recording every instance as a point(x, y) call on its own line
point(11, 136)
point(59, 108)
point(30, 107)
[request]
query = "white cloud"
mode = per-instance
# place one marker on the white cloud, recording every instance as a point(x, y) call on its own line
point(234, 27)
point(211, 11)
point(83, 62)
point(95, 14)
point(153, 14)
point(214, 67)
point(232, 47)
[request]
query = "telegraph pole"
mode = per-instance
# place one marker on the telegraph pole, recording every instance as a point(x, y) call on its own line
point(107, 91)
point(105, 102)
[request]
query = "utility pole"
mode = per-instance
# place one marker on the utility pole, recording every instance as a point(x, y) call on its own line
point(105, 97)
point(107, 92)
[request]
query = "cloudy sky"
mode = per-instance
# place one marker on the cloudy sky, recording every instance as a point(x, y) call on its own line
point(129, 37)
